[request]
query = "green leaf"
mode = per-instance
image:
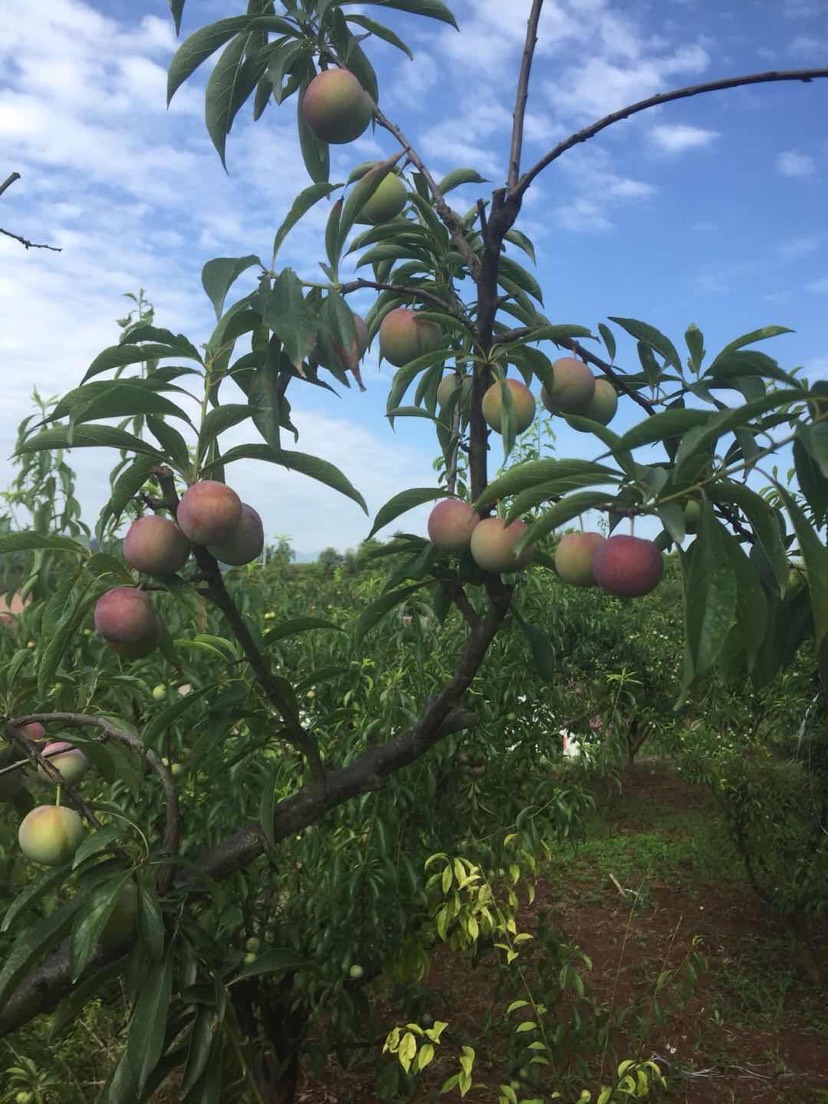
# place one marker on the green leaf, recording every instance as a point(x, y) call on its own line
point(298, 625)
point(380, 607)
point(710, 593)
point(432, 9)
point(312, 466)
point(649, 334)
point(315, 153)
point(301, 205)
point(332, 236)
point(219, 419)
point(667, 423)
point(177, 9)
point(175, 447)
point(694, 339)
point(729, 369)
point(560, 514)
point(98, 841)
point(755, 335)
point(61, 637)
point(815, 440)
point(150, 922)
point(359, 195)
point(218, 276)
point(815, 557)
point(148, 1025)
point(31, 542)
point(126, 486)
point(287, 313)
point(92, 436)
point(98, 906)
point(34, 943)
point(543, 654)
point(223, 94)
point(764, 520)
point(29, 896)
point(401, 503)
point(198, 47)
point(523, 476)
point(161, 721)
point(517, 274)
point(518, 238)
point(380, 31)
point(458, 177)
point(608, 337)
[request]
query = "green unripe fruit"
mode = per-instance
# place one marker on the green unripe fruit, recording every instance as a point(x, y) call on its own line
point(523, 406)
point(23, 1097)
point(448, 386)
point(336, 107)
point(573, 387)
point(603, 404)
point(386, 203)
point(50, 834)
point(692, 513)
point(573, 558)
point(159, 692)
point(356, 972)
point(253, 944)
point(250, 958)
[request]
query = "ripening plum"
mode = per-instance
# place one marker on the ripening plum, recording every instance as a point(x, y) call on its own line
point(628, 567)
point(208, 512)
point(50, 834)
point(69, 761)
point(155, 545)
point(244, 544)
point(386, 203)
point(404, 336)
point(451, 524)
point(336, 107)
point(127, 621)
point(493, 545)
point(603, 404)
point(523, 406)
point(573, 557)
point(573, 387)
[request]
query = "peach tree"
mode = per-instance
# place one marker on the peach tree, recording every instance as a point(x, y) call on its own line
point(458, 313)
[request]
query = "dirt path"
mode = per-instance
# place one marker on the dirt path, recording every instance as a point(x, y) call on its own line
point(749, 1029)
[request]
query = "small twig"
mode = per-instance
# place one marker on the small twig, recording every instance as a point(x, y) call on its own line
point(10, 179)
point(523, 92)
point(30, 244)
point(584, 135)
point(30, 749)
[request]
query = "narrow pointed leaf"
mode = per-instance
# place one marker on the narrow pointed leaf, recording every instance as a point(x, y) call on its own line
point(401, 503)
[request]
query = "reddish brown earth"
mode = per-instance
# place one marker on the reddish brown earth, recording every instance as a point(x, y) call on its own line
point(754, 1027)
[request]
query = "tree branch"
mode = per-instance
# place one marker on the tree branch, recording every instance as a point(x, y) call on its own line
point(10, 179)
point(42, 990)
point(7, 183)
point(449, 216)
point(109, 731)
point(584, 135)
point(523, 93)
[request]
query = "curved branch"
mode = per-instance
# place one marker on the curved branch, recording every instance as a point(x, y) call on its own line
point(42, 990)
point(584, 135)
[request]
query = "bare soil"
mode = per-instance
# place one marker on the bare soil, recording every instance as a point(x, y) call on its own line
point(752, 1028)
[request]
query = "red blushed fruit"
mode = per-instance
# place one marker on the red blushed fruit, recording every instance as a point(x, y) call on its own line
point(451, 524)
point(245, 543)
point(68, 761)
point(574, 558)
point(208, 512)
point(156, 546)
point(33, 731)
point(127, 621)
point(628, 566)
point(493, 545)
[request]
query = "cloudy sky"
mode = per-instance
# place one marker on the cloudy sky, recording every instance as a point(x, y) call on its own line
point(710, 210)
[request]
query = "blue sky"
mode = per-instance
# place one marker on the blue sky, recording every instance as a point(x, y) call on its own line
point(711, 210)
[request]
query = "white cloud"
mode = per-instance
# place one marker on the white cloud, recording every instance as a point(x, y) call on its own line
point(819, 287)
point(679, 137)
point(808, 46)
point(802, 246)
point(816, 369)
point(792, 163)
